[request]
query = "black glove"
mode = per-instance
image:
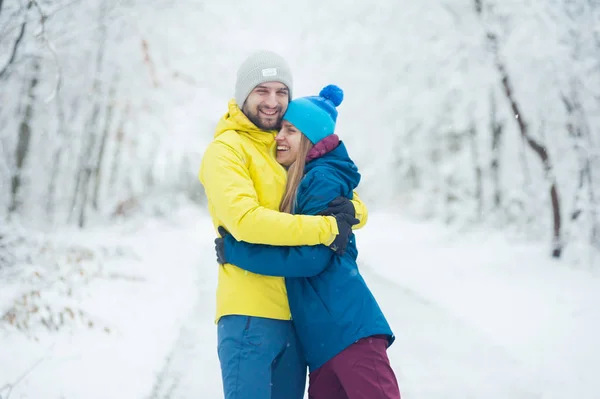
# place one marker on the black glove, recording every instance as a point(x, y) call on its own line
point(220, 245)
point(222, 231)
point(344, 223)
point(339, 205)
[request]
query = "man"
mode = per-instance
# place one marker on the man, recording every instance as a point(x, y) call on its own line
point(244, 184)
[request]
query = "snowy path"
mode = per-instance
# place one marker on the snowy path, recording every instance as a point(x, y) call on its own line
point(475, 315)
point(192, 368)
point(449, 342)
point(435, 356)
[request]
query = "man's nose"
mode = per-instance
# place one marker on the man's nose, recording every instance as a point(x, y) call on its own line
point(271, 100)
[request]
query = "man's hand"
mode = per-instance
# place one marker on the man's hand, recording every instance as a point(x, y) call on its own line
point(339, 205)
point(344, 223)
point(343, 210)
point(220, 245)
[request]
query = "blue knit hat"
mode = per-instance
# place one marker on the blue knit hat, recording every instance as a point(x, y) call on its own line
point(315, 116)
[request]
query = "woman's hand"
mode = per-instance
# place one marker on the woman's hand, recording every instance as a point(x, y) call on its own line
point(220, 246)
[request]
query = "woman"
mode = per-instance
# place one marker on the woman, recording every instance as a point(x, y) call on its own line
point(343, 332)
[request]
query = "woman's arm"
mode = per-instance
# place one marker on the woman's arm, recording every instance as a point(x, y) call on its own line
point(299, 261)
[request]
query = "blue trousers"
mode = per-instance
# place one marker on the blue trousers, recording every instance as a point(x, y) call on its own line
point(260, 358)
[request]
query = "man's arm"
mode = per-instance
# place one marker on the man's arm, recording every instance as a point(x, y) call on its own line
point(292, 261)
point(361, 211)
point(230, 191)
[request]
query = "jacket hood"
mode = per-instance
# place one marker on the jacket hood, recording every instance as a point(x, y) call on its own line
point(339, 165)
point(236, 120)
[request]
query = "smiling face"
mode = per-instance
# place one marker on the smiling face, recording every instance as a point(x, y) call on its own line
point(266, 105)
point(288, 143)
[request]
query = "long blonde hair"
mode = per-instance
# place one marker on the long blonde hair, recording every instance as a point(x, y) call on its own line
point(295, 174)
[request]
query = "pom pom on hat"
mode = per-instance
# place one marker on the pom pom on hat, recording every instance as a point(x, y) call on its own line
point(332, 93)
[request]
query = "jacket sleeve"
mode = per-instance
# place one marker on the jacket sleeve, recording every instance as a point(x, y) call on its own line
point(361, 211)
point(317, 191)
point(233, 198)
point(300, 261)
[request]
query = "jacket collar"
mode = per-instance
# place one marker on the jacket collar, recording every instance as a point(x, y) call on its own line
point(236, 120)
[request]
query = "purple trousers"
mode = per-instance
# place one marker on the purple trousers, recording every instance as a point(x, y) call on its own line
point(361, 371)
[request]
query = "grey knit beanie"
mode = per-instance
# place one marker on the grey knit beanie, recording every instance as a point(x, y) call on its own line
point(260, 67)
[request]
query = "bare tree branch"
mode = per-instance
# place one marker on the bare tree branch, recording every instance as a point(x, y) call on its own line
point(539, 149)
point(7, 31)
point(58, 79)
point(15, 48)
point(42, 15)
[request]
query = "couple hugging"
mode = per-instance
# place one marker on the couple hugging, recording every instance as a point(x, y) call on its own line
point(281, 193)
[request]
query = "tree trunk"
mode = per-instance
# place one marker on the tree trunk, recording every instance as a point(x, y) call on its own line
point(86, 165)
point(57, 158)
point(537, 147)
point(497, 129)
point(84, 173)
point(103, 140)
point(148, 61)
point(576, 136)
point(478, 172)
point(24, 138)
point(542, 153)
point(119, 142)
point(13, 54)
point(578, 130)
point(595, 233)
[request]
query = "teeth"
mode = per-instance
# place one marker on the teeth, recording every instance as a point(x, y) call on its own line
point(268, 112)
point(282, 148)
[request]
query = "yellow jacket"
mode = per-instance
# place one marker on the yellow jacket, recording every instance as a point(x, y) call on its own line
point(244, 185)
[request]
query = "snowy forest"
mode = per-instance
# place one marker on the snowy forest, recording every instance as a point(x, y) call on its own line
point(487, 113)
point(478, 115)
point(467, 111)
point(470, 112)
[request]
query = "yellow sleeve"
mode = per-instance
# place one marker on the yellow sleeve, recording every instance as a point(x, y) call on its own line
point(361, 211)
point(231, 193)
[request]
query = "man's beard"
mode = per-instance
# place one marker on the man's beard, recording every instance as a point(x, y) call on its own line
point(254, 118)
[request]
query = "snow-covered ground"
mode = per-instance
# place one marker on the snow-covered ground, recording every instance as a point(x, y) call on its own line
point(143, 297)
point(476, 315)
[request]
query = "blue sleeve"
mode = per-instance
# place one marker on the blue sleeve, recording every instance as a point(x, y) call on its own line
point(317, 190)
point(314, 194)
point(269, 260)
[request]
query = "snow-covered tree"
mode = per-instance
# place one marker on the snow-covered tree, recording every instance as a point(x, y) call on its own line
point(471, 111)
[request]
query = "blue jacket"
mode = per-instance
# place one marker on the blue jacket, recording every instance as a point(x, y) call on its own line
point(331, 305)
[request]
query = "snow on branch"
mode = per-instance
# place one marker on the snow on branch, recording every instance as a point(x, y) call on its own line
point(15, 47)
point(44, 36)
